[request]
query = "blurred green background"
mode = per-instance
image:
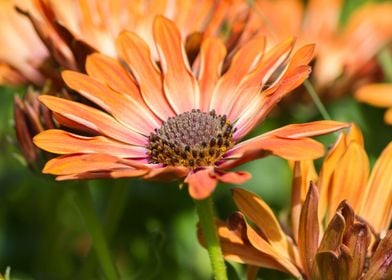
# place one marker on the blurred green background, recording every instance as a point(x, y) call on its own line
point(150, 227)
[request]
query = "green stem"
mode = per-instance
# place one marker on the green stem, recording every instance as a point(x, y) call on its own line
point(85, 204)
point(207, 222)
point(385, 59)
point(320, 106)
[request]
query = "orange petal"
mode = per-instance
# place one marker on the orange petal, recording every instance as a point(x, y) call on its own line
point(349, 179)
point(110, 72)
point(297, 131)
point(93, 119)
point(73, 164)
point(259, 212)
point(304, 173)
point(167, 173)
point(243, 61)
point(236, 177)
point(114, 174)
point(252, 84)
point(201, 184)
point(379, 192)
point(180, 86)
point(127, 111)
point(235, 249)
point(308, 234)
point(379, 95)
point(388, 116)
point(212, 53)
point(137, 55)
point(62, 142)
point(259, 107)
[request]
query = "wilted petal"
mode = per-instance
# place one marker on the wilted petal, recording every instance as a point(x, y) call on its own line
point(308, 235)
point(380, 266)
point(333, 235)
point(327, 266)
point(358, 243)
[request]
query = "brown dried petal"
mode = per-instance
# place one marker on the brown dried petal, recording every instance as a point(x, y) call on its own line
point(357, 243)
point(333, 236)
point(381, 263)
point(308, 235)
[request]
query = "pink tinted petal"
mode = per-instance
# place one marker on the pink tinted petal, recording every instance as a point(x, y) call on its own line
point(180, 85)
point(126, 110)
point(243, 61)
point(212, 54)
point(61, 142)
point(252, 84)
point(201, 184)
point(137, 55)
point(93, 119)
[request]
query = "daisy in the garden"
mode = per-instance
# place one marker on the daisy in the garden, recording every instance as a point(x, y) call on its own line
point(339, 225)
point(167, 120)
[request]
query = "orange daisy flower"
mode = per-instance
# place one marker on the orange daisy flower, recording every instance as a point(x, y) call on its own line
point(166, 120)
point(379, 95)
point(61, 34)
point(344, 55)
point(339, 227)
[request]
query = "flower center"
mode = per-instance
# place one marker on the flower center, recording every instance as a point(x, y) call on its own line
point(192, 139)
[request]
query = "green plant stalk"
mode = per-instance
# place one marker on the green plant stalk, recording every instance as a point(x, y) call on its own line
point(206, 217)
point(85, 205)
point(316, 100)
point(113, 213)
point(385, 59)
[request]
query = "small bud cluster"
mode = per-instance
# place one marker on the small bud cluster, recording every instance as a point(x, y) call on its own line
point(192, 139)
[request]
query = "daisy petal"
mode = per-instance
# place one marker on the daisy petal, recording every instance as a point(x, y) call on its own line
point(115, 174)
point(137, 55)
point(110, 73)
point(379, 95)
point(212, 53)
point(61, 142)
point(180, 85)
point(201, 184)
point(126, 110)
point(263, 217)
point(243, 61)
point(252, 84)
point(237, 177)
point(93, 119)
point(167, 173)
point(82, 163)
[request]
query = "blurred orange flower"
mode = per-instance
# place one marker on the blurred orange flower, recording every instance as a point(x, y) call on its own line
point(166, 120)
point(344, 53)
point(379, 95)
point(343, 231)
point(61, 34)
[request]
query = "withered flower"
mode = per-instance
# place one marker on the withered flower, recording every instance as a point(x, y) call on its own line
point(341, 233)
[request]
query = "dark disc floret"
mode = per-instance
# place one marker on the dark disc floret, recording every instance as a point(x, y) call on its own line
point(192, 139)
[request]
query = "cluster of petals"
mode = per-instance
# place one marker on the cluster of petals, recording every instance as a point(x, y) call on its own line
point(339, 224)
point(345, 54)
point(48, 34)
point(135, 96)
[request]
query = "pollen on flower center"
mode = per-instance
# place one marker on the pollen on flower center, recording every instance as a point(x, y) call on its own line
point(192, 139)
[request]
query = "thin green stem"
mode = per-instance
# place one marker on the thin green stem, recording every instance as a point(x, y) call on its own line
point(385, 59)
point(85, 204)
point(316, 100)
point(206, 217)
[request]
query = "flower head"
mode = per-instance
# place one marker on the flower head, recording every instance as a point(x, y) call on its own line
point(170, 119)
point(51, 35)
point(345, 52)
point(339, 227)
